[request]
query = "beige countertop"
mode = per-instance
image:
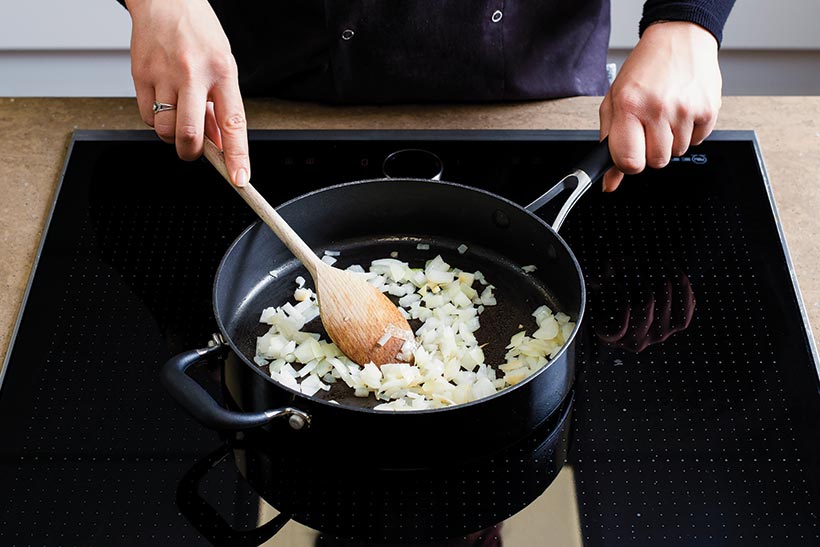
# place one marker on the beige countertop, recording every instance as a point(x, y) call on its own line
point(36, 133)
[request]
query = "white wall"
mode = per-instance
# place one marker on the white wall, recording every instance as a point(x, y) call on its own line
point(64, 48)
point(753, 25)
point(770, 47)
point(80, 47)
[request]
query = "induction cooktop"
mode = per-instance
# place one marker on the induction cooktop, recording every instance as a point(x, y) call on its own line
point(694, 420)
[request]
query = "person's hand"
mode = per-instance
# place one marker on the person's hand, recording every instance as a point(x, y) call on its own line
point(181, 56)
point(666, 97)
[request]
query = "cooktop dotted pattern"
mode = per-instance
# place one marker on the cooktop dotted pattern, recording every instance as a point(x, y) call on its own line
point(696, 419)
point(693, 438)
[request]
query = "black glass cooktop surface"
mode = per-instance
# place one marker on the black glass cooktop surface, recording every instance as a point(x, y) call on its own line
point(696, 414)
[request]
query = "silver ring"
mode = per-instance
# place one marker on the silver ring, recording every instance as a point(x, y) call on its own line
point(162, 107)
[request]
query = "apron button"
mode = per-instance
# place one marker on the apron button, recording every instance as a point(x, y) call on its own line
point(347, 34)
point(497, 15)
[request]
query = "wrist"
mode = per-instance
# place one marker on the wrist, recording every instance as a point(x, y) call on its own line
point(134, 6)
point(685, 31)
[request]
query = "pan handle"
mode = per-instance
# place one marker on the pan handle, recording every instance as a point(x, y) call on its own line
point(589, 168)
point(203, 408)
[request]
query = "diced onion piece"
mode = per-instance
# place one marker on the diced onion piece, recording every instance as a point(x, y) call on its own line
point(423, 246)
point(406, 300)
point(483, 388)
point(267, 316)
point(462, 249)
point(439, 277)
point(384, 339)
point(437, 264)
point(332, 253)
point(516, 376)
point(418, 278)
point(288, 381)
point(311, 385)
point(308, 368)
point(548, 329)
point(399, 333)
point(300, 295)
point(327, 259)
point(529, 268)
point(487, 297)
point(466, 278)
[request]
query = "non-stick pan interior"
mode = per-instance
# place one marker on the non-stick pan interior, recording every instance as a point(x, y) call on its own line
point(258, 272)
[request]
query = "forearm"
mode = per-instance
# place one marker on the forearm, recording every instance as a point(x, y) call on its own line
point(709, 14)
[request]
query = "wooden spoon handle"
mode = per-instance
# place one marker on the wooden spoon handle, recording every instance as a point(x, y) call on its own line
point(267, 213)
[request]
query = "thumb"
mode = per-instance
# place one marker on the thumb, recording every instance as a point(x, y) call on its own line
point(612, 179)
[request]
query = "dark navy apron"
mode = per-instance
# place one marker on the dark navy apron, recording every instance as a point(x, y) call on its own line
point(381, 51)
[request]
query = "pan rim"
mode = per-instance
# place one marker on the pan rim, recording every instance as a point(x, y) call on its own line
point(453, 408)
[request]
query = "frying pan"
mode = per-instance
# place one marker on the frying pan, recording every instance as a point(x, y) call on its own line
point(367, 220)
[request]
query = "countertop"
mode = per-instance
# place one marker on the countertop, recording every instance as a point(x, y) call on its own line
point(37, 133)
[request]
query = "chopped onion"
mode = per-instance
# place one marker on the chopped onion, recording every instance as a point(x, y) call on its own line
point(439, 277)
point(449, 363)
point(327, 259)
point(529, 268)
point(332, 253)
point(423, 246)
point(462, 249)
point(301, 295)
point(401, 334)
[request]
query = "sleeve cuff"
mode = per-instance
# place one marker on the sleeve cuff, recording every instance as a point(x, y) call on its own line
point(712, 19)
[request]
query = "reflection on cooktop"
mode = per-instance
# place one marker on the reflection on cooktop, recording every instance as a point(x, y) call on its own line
point(355, 503)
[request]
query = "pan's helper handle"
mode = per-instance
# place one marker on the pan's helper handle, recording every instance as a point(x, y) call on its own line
point(204, 409)
point(267, 213)
point(589, 169)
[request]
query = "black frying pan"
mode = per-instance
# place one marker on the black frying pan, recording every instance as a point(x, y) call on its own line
point(368, 220)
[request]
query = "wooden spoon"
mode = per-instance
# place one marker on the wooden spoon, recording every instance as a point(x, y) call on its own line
point(356, 315)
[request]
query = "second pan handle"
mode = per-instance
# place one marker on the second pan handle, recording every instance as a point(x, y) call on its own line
point(194, 399)
point(588, 170)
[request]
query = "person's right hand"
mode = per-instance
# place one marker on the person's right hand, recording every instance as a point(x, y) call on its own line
point(180, 55)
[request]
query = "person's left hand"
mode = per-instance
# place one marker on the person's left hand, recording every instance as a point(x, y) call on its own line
point(666, 97)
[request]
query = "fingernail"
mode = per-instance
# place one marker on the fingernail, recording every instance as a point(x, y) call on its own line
point(241, 178)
